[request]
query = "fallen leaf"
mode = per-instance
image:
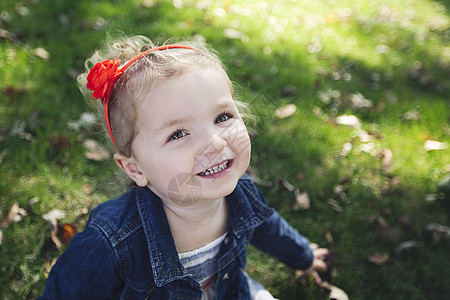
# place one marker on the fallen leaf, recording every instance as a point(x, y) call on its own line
point(15, 214)
point(406, 247)
point(66, 232)
point(87, 189)
point(430, 198)
point(339, 191)
point(328, 237)
point(368, 148)
point(335, 292)
point(86, 120)
point(285, 111)
point(358, 101)
point(53, 215)
point(364, 136)
point(346, 149)
point(54, 234)
point(434, 145)
point(335, 205)
point(379, 258)
point(329, 96)
point(435, 234)
point(42, 53)
point(6, 35)
point(287, 185)
point(386, 158)
point(378, 223)
point(301, 202)
point(349, 120)
point(95, 151)
point(31, 204)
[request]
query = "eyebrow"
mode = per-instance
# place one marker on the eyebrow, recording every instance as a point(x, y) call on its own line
point(181, 120)
point(174, 122)
point(222, 106)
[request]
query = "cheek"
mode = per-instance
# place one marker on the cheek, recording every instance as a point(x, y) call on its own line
point(240, 140)
point(170, 165)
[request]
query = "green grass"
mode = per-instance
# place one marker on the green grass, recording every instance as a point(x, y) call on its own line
point(395, 53)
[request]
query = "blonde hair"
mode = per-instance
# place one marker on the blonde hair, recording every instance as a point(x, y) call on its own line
point(140, 77)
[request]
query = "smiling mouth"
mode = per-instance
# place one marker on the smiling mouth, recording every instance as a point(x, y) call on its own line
point(216, 169)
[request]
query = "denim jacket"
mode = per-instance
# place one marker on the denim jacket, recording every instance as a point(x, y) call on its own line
point(127, 251)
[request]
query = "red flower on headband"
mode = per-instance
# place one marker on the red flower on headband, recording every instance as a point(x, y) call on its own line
point(102, 77)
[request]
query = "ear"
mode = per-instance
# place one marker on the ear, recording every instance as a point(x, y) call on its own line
point(130, 166)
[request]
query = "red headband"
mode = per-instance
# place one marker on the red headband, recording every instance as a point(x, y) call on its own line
point(103, 76)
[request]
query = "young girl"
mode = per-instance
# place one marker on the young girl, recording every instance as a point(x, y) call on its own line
point(182, 232)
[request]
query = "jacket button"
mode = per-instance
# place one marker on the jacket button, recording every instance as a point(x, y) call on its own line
point(226, 240)
point(225, 277)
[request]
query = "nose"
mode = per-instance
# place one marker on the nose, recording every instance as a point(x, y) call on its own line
point(213, 144)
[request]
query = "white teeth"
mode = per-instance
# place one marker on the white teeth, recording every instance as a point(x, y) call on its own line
point(215, 169)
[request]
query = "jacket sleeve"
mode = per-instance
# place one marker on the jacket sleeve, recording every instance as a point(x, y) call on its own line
point(279, 239)
point(88, 269)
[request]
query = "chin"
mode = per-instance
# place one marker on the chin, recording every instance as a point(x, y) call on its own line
point(221, 190)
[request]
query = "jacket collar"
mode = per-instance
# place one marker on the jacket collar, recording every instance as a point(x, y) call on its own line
point(246, 213)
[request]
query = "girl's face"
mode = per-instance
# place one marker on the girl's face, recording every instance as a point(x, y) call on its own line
point(192, 144)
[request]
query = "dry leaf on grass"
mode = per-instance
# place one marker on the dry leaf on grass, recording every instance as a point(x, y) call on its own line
point(386, 158)
point(378, 258)
point(406, 248)
point(430, 145)
point(53, 216)
point(335, 292)
point(301, 201)
point(364, 136)
point(66, 232)
point(435, 234)
point(346, 149)
point(16, 214)
point(349, 120)
point(42, 53)
point(95, 151)
point(335, 205)
point(358, 101)
point(328, 237)
point(285, 111)
point(287, 185)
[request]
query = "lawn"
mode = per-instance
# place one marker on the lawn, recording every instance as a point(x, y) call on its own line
point(352, 112)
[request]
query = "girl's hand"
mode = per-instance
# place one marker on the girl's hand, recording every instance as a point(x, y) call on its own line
point(318, 263)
